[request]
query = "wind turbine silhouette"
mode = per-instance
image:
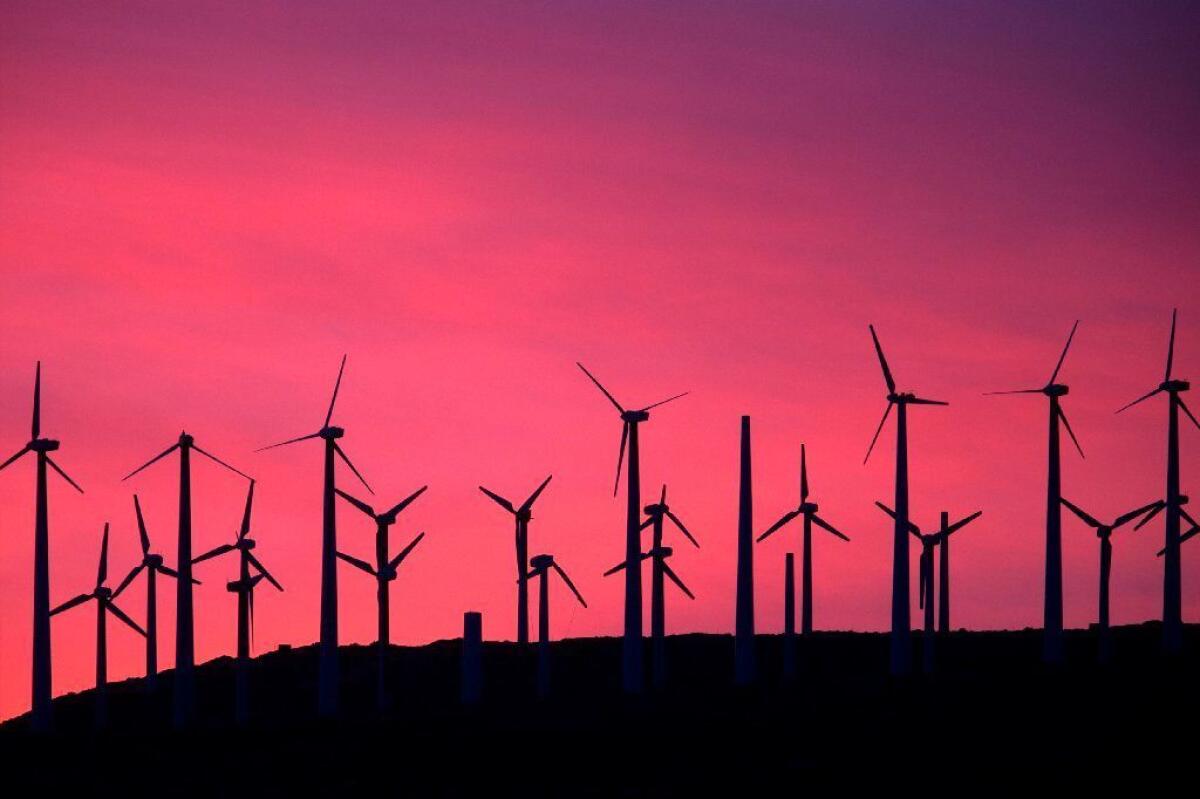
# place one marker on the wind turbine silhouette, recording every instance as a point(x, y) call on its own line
point(327, 679)
point(929, 541)
point(42, 711)
point(154, 565)
point(901, 644)
point(1104, 533)
point(384, 572)
point(104, 605)
point(943, 546)
point(522, 515)
point(631, 645)
point(1172, 577)
point(243, 586)
point(184, 698)
point(657, 513)
point(1052, 623)
point(809, 511)
point(540, 566)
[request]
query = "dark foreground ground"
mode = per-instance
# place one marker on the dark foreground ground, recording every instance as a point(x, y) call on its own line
point(991, 717)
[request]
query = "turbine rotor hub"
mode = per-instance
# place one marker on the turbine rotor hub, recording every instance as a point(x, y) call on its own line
point(331, 433)
point(633, 417)
point(541, 562)
point(104, 593)
point(1056, 390)
point(154, 561)
point(43, 445)
point(388, 573)
point(808, 507)
point(185, 440)
point(657, 509)
point(1175, 386)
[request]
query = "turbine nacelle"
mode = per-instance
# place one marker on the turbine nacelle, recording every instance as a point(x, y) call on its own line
point(103, 593)
point(1104, 531)
point(524, 514)
point(634, 417)
point(153, 561)
point(660, 552)
point(388, 572)
point(657, 509)
point(540, 563)
point(186, 440)
point(246, 544)
point(1175, 386)
point(1056, 390)
point(43, 445)
point(331, 433)
point(808, 507)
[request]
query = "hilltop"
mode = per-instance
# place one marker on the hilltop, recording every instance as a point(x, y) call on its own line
point(991, 715)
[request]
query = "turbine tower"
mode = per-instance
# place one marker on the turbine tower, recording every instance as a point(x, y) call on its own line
point(1172, 615)
point(631, 645)
point(657, 513)
point(104, 605)
point(42, 711)
point(522, 515)
point(901, 644)
point(1104, 533)
point(929, 542)
point(184, 698)
point(1052, 614)
point(384, 572)
point(540, 566)
point(327, 678)
point(154, 566)
point(809, 511)
point(943, 546)
point(243, 586)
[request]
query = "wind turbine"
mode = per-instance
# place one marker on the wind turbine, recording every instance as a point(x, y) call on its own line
point(809, 511)
point(184, 698)
point(929, 542)
point(327, 679)
point(901, 645)
point(243, 586)
point(943, 546)
point(540, 566)
point(384, 572)
point(631, 645)
point(1104, 533)
point(522, 515)
point(657, 513)
point(41, 558)
point(104, 605)
point(1172, 577)
point(1052, 623)
point(154, 565)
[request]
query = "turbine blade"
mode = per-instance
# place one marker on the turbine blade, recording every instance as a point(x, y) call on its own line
point(1088, 519)
point(668, 399)
point(263, 571)
point(20, 452)
point(784, 519)
point(646, 524)
point(289, 441)
point(675, 579)
point(683, 529)
point(128, 579)
point(353, 561)
point(662, 498)
point(120, 614)
point(912, 528)
point(336, 386)
point(167, 570)
point(602, 388)
point(1062, 415)
point(1184, 406)
point(803, 475)
point(527, 504)
point(212, 553)
point(1142, 398)
point(358, 503)
point(1124, 518)
point(615, 569)
point(922, 401)
point(337, 448)
point(1189, 534)
point(878, 430)
point(396, 561)
point(570, 584)
point(1158, 506)
point(1013, 391)
point(961, 523)
point(817, 520)
point(499, 500)
point(404, 503)
point(37, 402)
point(1184, 514)
point(141, 523)
point(153, 460)
point(1170, 346)
point(63, 474)
point(70, 603)
point(245, 528)
point(215, 459)
point(1062, 357)
point(621, 456)
point(102, 572)
point(887, 373)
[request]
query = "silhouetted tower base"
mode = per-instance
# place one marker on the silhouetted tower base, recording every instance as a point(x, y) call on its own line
point(101, 719)
point(1052, 627)
point(743, 644)
point(1104, 642)
point(789, 617)
point(901, 636)
point(543, 661)
point(632, 674)
point(944, 585)
point(183, 698)
point(43, 714)
point(327, 663)
point(472, 658)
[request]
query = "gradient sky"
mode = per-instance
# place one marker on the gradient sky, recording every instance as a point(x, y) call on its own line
point(202, 207)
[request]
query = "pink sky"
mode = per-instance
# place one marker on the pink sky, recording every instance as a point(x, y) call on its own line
point(202, 208)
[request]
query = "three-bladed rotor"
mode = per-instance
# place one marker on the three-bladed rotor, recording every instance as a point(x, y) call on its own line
point(150, 560)
point(36, 443)
point(893, 397)
point(1169, 385)
point(101, 592)
point(805, 508)
point(540, 565)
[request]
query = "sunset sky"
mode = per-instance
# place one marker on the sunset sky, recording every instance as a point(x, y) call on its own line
point(202, 207)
